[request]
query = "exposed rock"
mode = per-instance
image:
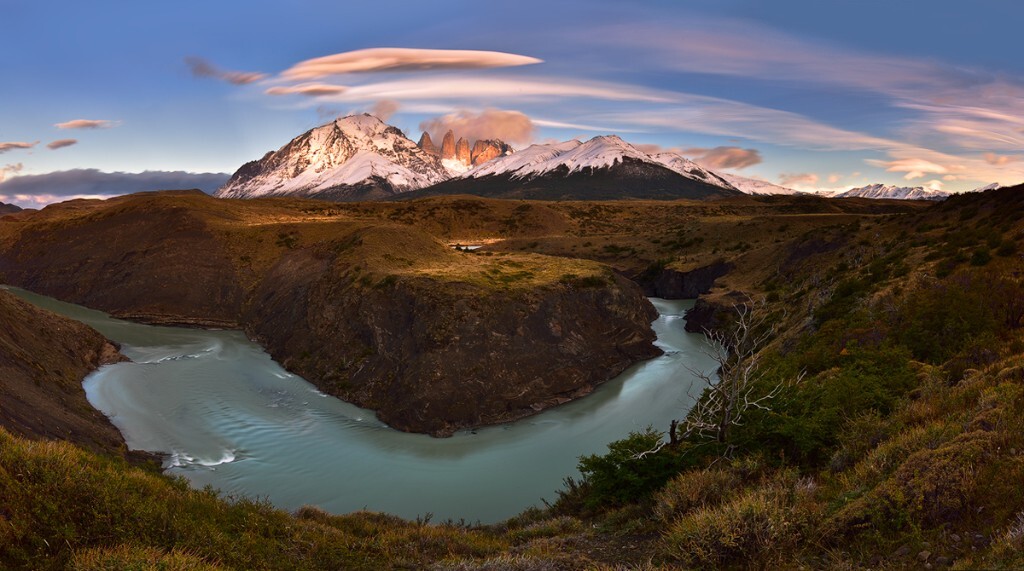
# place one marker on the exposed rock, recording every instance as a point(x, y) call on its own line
point(713, 314)
point(43, 359)
point(485, 150)
point(426, 144)
point(448, 145)
point(674, 284)
point(9, 208)
point(462, 153)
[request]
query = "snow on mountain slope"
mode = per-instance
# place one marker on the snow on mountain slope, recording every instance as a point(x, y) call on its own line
point(572, 156)
point(894, 192)
point(690, 169)
point(354, 151)
point(523, 163)
point(755, 186)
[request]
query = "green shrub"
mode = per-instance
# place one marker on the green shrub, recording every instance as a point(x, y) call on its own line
point(618, 477)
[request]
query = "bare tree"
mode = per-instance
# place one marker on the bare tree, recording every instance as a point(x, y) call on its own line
point(734, 388)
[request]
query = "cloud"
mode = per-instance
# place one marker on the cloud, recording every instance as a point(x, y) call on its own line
point(913, 167)
point(384, 109)
point(10, 169)
point(92, 182)
point(4, 147)
point(724, 157)
point(834, 178)
point(509, 126)
point(1000, 160)
point(494, 88)
point(402, 59)
point(711, 115)
point(798, 179)
point(307, 89)
point(61, 143)
point(203, 68)
point(933, 185)
point(87, 124)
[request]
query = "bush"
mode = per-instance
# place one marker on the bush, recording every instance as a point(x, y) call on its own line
point(752, 527)
point(618, 477)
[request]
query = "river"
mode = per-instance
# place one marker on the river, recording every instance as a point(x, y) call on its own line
point(228, 416)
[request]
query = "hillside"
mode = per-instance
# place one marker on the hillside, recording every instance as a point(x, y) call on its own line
point(364, 309)
point(43, 358)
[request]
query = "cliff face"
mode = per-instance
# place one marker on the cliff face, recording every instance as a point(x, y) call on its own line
point(675, 284)
point(435, 360)
point(43, 359)
point(385, 316)
point(470, 155)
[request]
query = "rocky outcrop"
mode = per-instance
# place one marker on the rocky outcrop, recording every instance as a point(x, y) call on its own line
point(485, 150)
point(43, 359)
point(462, 152)
point(669, 283)
point(436, 360)
point(469, 155)
point(448, 145)
point(9, 208)
point(426, 144)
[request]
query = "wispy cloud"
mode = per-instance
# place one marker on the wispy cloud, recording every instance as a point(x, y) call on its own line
point(509, 126)
point(307, 89)
point(10, 146)
point(402, 59)
point(724, 157)
point(798, 179)
point(710, 115)
point(384, 109)
point(7, 170)
point(87, 124)
point(61, 143)
point(202, 68)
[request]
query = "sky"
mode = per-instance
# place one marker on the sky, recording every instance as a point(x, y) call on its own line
point(809, 94)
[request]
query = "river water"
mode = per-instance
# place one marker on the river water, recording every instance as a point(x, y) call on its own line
point(227, 415)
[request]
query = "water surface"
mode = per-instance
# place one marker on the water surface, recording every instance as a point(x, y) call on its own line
point(227, 415)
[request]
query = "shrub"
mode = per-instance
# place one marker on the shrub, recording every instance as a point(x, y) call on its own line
point(618, 477)
point(752, 527)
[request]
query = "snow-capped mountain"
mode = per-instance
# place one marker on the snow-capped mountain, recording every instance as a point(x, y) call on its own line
point(688, 168)
point(602, 168)
point(992, 186)
point(358, 156)
point(755, 186)
point(894, 192)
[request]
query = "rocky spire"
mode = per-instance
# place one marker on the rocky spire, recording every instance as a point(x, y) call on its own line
point(426, 144)
point(485, 150)
point(448, 145)
point(462, 153)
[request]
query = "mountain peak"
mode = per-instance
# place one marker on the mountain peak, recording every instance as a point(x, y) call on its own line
point(348, 158)
point(894, 192)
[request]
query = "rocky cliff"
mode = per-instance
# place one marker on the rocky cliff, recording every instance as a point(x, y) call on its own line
point(43, 359)
point(383, 315)
point(462, 152)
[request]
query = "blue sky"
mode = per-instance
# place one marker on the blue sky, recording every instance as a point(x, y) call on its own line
point(807, 93)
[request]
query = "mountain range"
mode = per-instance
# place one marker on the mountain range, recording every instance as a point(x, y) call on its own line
point(360, 157)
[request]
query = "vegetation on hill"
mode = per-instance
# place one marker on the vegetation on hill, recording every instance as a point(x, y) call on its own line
point(902, 445)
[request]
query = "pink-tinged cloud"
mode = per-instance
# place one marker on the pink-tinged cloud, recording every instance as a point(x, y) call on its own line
point(87, 124)
point(203, 68)
point(8, 170)
point(402, 59)
point(913, 167)
point(61, 143)
point(10, 146)
point(509, 126)
point(307, 89)
point(792, 179)
point(1000, 160)
point(384, 109)
point(834, 178)
point(496, 88)
point(724, 157)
